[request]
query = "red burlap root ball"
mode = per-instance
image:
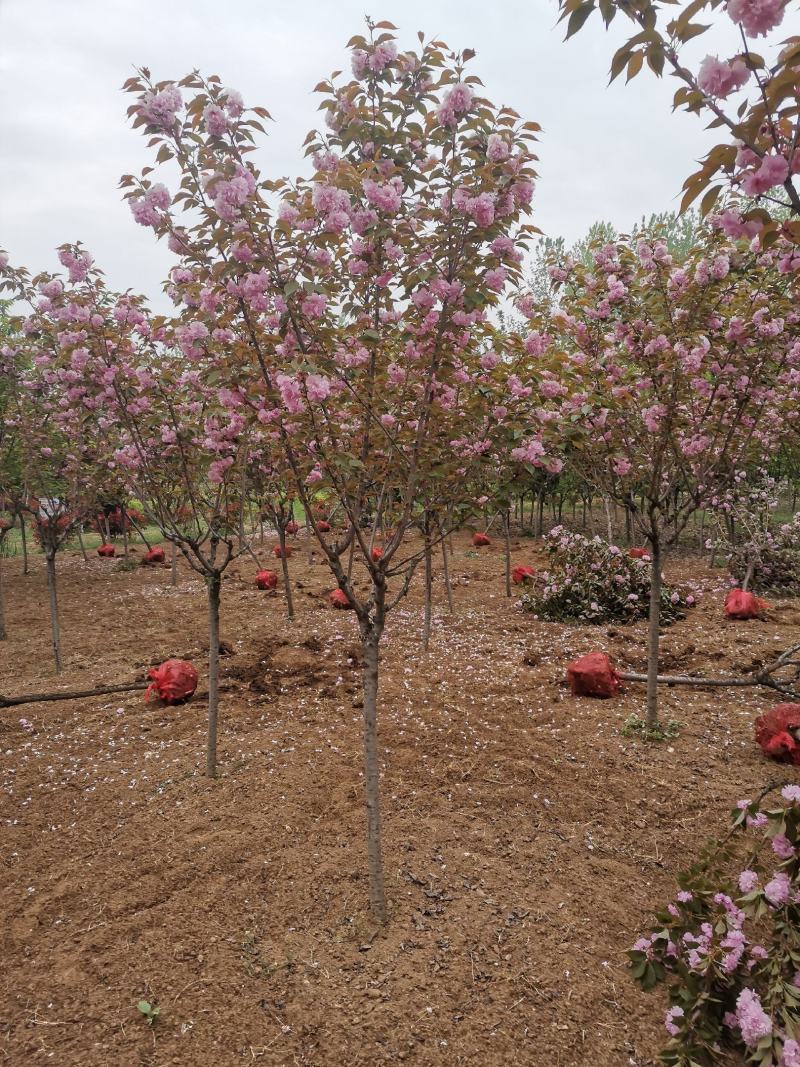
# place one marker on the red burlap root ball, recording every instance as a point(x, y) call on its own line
point(155, 555)
point(522, 575)
point(267, 580)
point(340, 600)
point(593, 675)
point(292, 528)
point(377, 553)
point(174, 681)
point(742, 605)
point(323, 526)
point(638, 553)
point(480, 540)
point(278, 551)
point(106, 551)
point(778, 733)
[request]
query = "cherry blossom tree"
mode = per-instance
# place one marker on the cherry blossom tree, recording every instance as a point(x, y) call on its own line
point(351, 309)
point(675, 375)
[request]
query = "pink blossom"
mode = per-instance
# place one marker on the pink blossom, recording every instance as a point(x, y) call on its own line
point(234, 104)
point(622, 467)
point(748, 880)
point(318, 387)
point(497, 148)
point(791, 793)
point(791, 1053)
point(159, 109)
point(753, 1021)
point(782, 847)
point(718, 78)
point(458, 99)
point(496, 278)
point(774, 170)
point(383, 55)
point(669, 1021)
point(757, 17)
point(387, 196)
point(777, 890)
point(314, 305)
point(216, 120)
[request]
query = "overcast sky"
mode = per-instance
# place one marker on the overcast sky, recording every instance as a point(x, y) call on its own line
point(611, 153)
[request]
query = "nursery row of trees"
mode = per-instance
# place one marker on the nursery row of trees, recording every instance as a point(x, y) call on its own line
point(340, 339)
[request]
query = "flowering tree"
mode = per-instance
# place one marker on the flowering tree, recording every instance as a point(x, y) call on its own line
point(762, 156)
point(128, 412)
point(676, 375)
point(351, 309)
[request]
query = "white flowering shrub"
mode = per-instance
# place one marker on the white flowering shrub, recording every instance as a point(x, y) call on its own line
point(728, 946)
point(589, 580)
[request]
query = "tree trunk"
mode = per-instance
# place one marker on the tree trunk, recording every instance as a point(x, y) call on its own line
point(371, 634)
point(214, 583)
point(748, 575)
point(628, 527)
point(446, 568)
point(609, 523)
point(55, 627)
point(426, 626)
point(653, 631)
point(3, 632)
point(24, 537)
point(124, 514)
point(540, 516)
point(287, 584)
point(83, 546)
point(507, 545)
point(173, 578)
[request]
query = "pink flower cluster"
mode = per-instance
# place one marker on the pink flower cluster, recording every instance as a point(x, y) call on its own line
point(757, 17)
point(719, 78)
point(147, 209)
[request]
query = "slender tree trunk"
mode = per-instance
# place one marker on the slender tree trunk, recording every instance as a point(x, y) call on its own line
point(426, 626)
point(350, 557)
point(370, 636)
point(584, 514)
point(507, 546)
point(540, 516)
point(446, 568)
point(287, 584)
point(173, 579)
point(140, 531)
point(55, 627)
point(653, 631)
point(124, 531)
point(748, 575)
point(609, 523)
point(628, 527)
point(214, 583)
point(83, 546)
point(3, 632)
point(24, 537)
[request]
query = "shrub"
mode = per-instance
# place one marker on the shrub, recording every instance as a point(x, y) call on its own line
point(775, 559)
point(592, 581)
point(728, 946)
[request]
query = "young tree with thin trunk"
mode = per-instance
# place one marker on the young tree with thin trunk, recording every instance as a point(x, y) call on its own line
point(353, 316)
point(673, 375)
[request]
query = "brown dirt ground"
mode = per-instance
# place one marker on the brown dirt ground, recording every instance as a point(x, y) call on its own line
point(526, 841)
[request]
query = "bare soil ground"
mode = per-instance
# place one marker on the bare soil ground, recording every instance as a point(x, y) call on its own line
point(526, 840)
